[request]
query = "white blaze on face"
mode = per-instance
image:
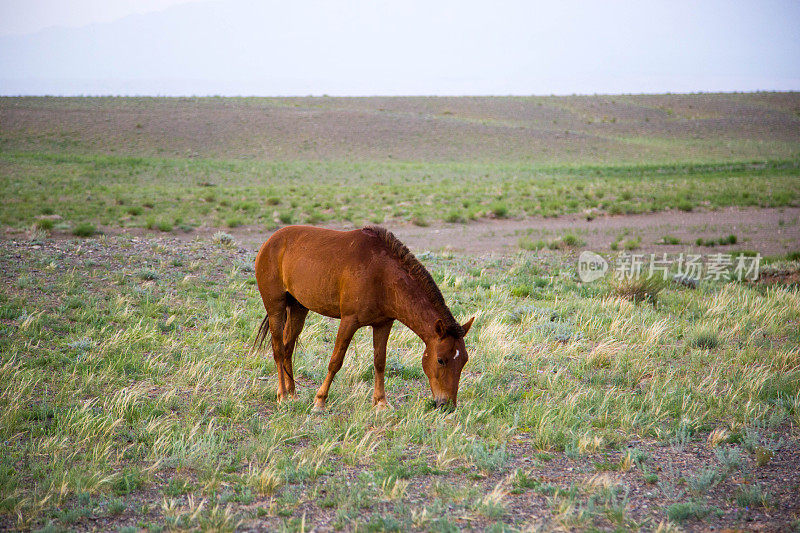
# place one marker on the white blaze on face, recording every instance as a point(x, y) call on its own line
point(456, 356)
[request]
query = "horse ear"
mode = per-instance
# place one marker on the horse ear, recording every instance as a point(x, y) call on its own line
point(440, 329)
point(467, 325)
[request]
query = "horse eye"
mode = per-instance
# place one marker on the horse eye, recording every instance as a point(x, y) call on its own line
point(441, 361)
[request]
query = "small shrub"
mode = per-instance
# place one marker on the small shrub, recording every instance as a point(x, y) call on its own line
point(419, 220)
point(487, 459)
point(286, 217)
point(522, 481)
point(273, 200)
point(225, 239)
point(233, 222)
point(669, 239)
point(571, 240)
point(729, 458)
point(521, 291)
point(632, 244)
point(704, 338)
point(134, 210)
point(116, 507)
point(84, 229)
point(529, 244)
point(752, 496)
point(45, 223)
point(129, 481)
point(637, 289)
point(178, 487)
point(682, 511)
point(81, 345)
point(147, 274)
point(706, 479)
point(164, 226)
point(315, 218)
point(685, 205)
point(382, 523)
point(453, 217)
point(567, 241)
point(499, 209)
point(245, 206)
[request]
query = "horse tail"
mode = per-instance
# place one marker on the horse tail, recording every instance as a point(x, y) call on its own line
point(261, 334)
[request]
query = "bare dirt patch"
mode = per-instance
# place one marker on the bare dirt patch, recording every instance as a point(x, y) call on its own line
point(756, 229)
point(769, 231)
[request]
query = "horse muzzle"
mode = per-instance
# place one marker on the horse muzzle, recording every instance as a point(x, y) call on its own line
point(445, 403)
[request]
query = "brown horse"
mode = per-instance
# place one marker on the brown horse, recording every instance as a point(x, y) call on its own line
point(364, 277)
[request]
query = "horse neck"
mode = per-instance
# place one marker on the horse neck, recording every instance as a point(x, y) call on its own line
point(414, 308)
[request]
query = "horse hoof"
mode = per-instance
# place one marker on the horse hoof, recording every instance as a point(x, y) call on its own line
point(319, 407)
point(286, 396)
point(383, 405)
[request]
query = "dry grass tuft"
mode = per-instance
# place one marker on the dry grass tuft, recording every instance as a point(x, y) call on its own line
point(637, 289)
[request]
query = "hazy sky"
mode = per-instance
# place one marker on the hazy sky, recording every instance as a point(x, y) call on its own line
point(28, 16)
point(364, 47)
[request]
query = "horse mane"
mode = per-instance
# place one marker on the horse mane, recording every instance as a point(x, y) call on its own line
point(418, 273)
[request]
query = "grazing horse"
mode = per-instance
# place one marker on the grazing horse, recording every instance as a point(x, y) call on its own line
point(365, 277)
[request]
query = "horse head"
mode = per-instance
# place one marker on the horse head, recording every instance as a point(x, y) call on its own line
point(444, 357)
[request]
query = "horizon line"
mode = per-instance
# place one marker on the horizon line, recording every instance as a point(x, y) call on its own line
point(429, 95)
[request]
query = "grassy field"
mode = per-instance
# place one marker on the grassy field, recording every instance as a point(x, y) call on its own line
point(167, 195)
point(175, 164)
point(129, 398)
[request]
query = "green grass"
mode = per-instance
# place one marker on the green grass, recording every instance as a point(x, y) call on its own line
point(154, 388)
point(154, 192)
point(84, 229)
point(752, 496)
point(721, 241)
point(683, 511)
point(704, 338)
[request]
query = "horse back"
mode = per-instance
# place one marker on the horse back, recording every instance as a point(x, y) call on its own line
point(330, 272)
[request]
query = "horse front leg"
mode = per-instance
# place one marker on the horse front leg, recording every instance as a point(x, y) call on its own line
point(380, 336)
point(347, 328)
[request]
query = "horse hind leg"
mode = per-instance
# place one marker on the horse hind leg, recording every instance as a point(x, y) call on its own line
point(277, 323)
point(296, 318)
